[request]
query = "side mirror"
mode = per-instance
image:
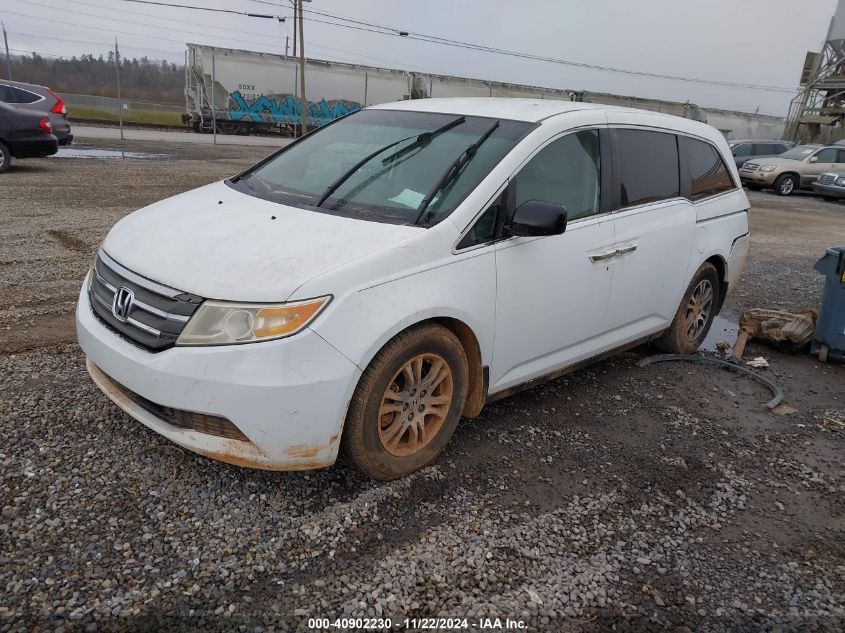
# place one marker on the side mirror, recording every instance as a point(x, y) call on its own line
point(535, 217)
point(814, 159)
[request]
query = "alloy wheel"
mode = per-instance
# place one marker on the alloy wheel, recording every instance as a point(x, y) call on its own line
point(787, 186)
point(415, 405)
point(698, 310)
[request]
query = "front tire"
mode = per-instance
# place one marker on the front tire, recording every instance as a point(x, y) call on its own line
point(5, 158)
point(785, 185)
point(695, 315)
point(407, 403)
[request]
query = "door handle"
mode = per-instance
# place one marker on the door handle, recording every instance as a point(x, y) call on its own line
point(601, 256)
point(626, 249)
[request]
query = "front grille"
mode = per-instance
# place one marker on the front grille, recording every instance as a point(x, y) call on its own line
point(156, 314)
point(200, 422)
point(750, 167)
point(827, 179)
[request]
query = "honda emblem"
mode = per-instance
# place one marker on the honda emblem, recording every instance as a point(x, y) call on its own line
point(122, 303)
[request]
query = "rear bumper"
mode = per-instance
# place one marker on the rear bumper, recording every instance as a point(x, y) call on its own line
point(65, 140)
point(830, 191)
point(736, 261)
point(34, 148)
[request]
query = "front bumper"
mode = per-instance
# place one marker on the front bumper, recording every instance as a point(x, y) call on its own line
point(831, 191)
point(759, 178)
point(288, 397)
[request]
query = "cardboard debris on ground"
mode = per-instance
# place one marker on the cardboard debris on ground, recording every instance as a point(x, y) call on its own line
point(788, 332)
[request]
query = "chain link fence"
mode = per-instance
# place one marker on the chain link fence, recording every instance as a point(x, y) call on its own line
point(96, 108)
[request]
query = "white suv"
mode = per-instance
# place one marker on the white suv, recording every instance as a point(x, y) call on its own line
point(395, 270)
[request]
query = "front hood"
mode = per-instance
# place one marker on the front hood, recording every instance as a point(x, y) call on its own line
point(780, 163)
point(218, 243)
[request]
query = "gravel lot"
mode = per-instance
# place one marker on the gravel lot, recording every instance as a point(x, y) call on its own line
point(617, 498)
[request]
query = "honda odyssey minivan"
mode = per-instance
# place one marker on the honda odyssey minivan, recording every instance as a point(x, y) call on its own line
point(378, 279)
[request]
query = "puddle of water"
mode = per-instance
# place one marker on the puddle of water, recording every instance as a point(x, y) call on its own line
point(722, 329)
point(78, 152)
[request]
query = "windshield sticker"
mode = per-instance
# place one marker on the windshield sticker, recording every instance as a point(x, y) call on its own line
point(409, 198)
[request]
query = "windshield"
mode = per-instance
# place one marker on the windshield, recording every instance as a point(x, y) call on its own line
point(799, 153)
point(374, 165)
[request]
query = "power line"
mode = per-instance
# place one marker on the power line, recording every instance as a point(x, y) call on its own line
point(89, 42)
point(195, 8)
point(155, 26)
point(391, 31)
point(204, 26)
point(94, 28)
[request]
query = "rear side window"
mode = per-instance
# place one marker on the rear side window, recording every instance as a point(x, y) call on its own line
point(828, 155)
point(742, 150)
point(708, 174)
point(647, 166)
point(24, 96)
point(764, 149)
point(6, 94)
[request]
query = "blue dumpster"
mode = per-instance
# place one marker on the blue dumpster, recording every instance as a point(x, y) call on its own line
point(829, 338)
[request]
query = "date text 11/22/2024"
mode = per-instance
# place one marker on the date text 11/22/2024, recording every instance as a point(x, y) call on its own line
point(416, 624)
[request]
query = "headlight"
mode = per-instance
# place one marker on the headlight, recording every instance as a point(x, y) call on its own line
point(840, 182)
point(224, 323)
point(768, 168)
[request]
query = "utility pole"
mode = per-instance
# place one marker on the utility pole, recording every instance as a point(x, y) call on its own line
point(295, 7)
point(303, 101)
point(8, 58)
point(119, 101)
point(287, 44)
point(213, 105)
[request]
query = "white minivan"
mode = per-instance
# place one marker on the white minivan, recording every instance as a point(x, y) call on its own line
point(376, 280)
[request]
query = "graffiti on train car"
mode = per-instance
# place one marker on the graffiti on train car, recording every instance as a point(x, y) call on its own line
point(287, 109)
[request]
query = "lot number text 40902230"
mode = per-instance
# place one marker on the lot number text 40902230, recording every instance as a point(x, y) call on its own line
point(439, 624)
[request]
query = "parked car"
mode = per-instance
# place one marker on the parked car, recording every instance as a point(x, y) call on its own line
point(831, 185)
point(743, 150)
point(39, 99)
point(795, 169)
point(24, 134)
point(370, 284)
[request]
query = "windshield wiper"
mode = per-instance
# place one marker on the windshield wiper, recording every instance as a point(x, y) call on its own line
point(453, 170)
point(423, 139)
point(425, 136)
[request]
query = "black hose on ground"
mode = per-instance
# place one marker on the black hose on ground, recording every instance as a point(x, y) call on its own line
point(777, 392)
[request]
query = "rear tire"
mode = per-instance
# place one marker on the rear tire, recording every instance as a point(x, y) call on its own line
point(785, 185)
point(829, 199)
point(5, 158)
point(407, 403)
point(695, 314)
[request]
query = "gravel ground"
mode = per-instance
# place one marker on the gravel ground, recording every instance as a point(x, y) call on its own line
point(616, 498)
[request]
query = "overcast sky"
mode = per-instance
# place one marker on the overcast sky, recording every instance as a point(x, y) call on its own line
point(737, 41)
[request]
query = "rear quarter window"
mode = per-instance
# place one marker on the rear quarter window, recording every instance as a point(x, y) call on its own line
point(24, 96)
point(708, 175)
point(646, 166)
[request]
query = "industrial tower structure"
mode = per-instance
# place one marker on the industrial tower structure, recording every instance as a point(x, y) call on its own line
point(818, 111)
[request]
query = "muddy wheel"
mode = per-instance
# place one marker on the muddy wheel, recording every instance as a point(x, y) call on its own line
point(5, 158)
point(785, 184)
point(407, 403)
point(695, 315)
